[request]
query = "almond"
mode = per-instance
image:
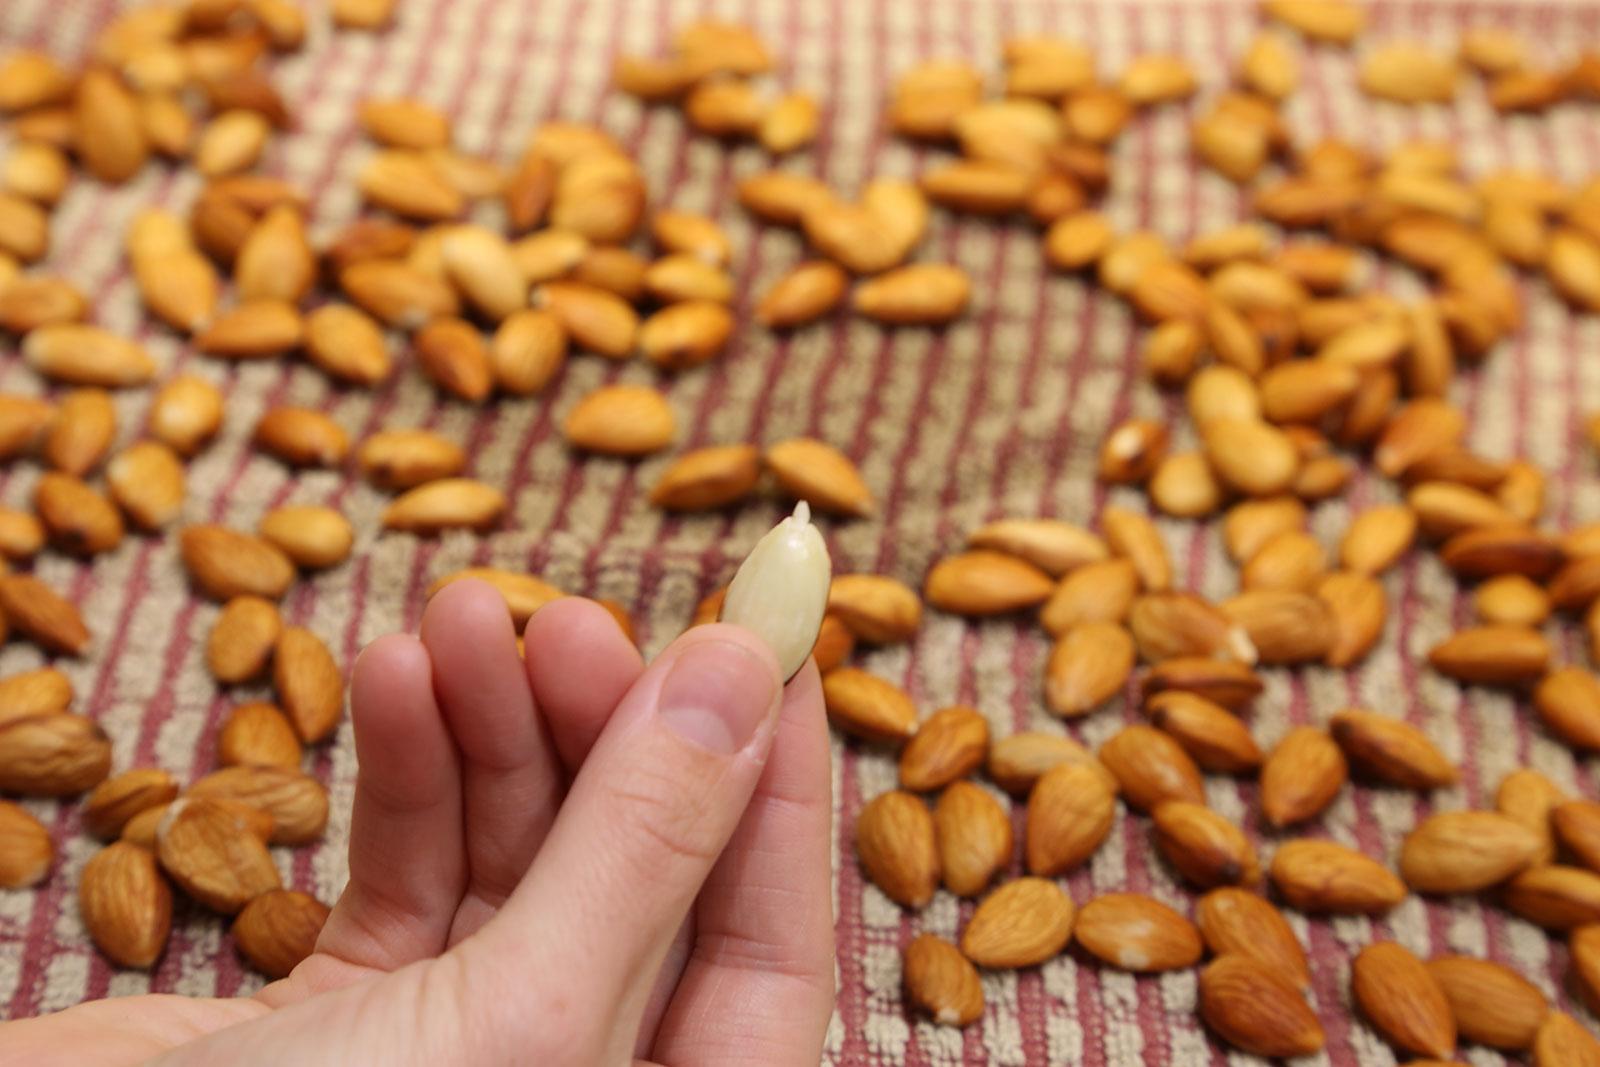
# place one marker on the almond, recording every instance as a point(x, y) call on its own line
point(1137, 933)
point(84, 426)
point(527, 351)
point(1203, 846)
point(186, 413)
point(1576, 585)
point(1232, 685)
point(53, 755)
point(1215, 739)
point(454, 356)
point(1131, 452)
point(35, 692)
point(686, 334)
point(27, 303)
point(23, 422)
point(297, 803)
point(397, 293)
point(76, 354)
point(974, 837)
point(1577, 824)
point(1584, 943)
point(1492, 1004)
point(1078, 241)
point(1324, 877)
point(449, 503)
point(923, 294)
point(362, 14)
point(125, 904)
point(1489, 551)
point(43, 615)
point(1531, 799)
point(1562, 1040)
point(949, 744)
point(1255, 1008)
point(275, 263)
point(1444, 509)
point(1182, 486)
point(1301, 776)
point(621, 420)
point(21, 534)
point(1555, 897)
point(1151, 768)
point(1096, 592)
point(313, 537)
point(1134, 537)
point(867, 706)
point(524, 594)
point(480, 264)
point(258, 735)
point(1492, 655)
point(593, 318)
point(1252, 457)
point(254, 330)
point(302, 437)
point(25, 848)
point(781, 197)
point(400, 122)
point(1283, 626)
point(347, 343)
point(309, 684)
point(1023, 923)
point(1017, 762)
point(408, 184)
point(1511, 600)
point(1401, 999)
point(821, 475)
point(404, 459)
point(876, 608)
point(833, 646)
point(1391, 750)
point(1377, 539)
point(1423, 426)
point(225, 563)
point(1239, 922)
point(1173, 625)
point(941, 982)
point(147, 482)
point(278, 929)
point(110, 140)
point(78, 518)
point(1088, 666)
point(208, 849)
point(119, 798)
point(978, 187)
point(242, 639)
point(1071, 810)
point(807, 293)
point(1054, 546)
point(1465, 851)
point(895, 840)
point(1251, 524)
point(30, 79)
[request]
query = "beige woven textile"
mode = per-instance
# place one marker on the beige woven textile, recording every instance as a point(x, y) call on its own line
point(999, 415)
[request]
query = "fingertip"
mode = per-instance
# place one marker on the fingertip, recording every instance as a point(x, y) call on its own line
point(470, 607)
point(390, 656)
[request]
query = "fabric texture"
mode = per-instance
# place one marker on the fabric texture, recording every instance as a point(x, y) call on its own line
point(1001, 414)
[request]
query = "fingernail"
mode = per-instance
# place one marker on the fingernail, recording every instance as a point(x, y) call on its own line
point(716, 695)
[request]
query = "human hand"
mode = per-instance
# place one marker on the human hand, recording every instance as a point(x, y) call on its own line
point(572, 859)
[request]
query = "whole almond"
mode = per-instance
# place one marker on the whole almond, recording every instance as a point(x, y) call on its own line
point(1016, 762)
point(1555, 897)
point(1134, 537)
point(452, 353)
point(258, 735)
point(52, 755)
point(974, 837)
point(23, 422)
point(524, 594)
point(1255, 1008)
point(225, 563)
point(25, 848)
point(1358, 608)
point(1531, 799)
point(406, 183)
point(867, 706)
point(347, 343)
point(24, 228)
point(1205, 848)
point(1182, 486)
point(1568, 702)
point(527, 351)
point(949, 744)
point(85, 423)
point(1023, 923)
point(404, 459)
point(1444, 509)
point(1132, 450)
point(297, 802)
point(258, 329)
point(231, 143)
point(1324, 877)
point(1253, 457)
point(119, 798)
point(186, 413)
point(1492, 1004)
point(1232, 685)
point(278, 929)
point(1584, 944)
point(125, 904)
point(1423, 426)
point(1077, 241)
point(594, 319)
point(1511, 600)
point(1151, 768)
point(1401, 999)
point(397, 293)
point(1210, 734)
point(1377, 539)
point(147, 482)
point(478, 261)
point(1391, 750)
point(242, 639)
point(896, 842)
point(1239, 921)
point(1282, 626)
point(1492, 655)
point(35, 692)
point(77, 354)
point(207, 847)
point(30, 79)
point(77, 517)
point(821, 475)
point(22, 535)
point(876, 608)
point(1465, 851)
point(401, 122)
point(1251, 524)
point(1489, 551)
point(312, 536)
point(1562, 1040)
point(1071, 809)
point(1301, 776)
point(923, 294)
point(1577, 825)
point(1054, 546)
point(275, 262)
point(708, 478)
point(445, 504)
point(1089, 665)
point(1137, 933)
point(1097, 592)
point(686, 334)
point(621, 420)
point(807, 293)
point(681, 276)
point(1178, 625)
point(35, 610)
point(1306, 390)
point(110, 139)
point(941, 981)
point(309, 685)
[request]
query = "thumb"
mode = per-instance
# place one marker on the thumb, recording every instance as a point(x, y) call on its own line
point(646, 818)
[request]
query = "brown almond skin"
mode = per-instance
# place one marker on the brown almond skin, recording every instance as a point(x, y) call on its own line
point(1018, 761)
point(302, 437)
point(867, 706)
point(1254, 1008)
point(1205, 848)
point(621, 420)
point(278, 929)
point(1240, 921)
point(1584, 946)
point(1151, 768)
point(1232, 685)
point(950, 744)
point(974, 837)
point(26, 851)
point(225, 563)
point(941, 981)
point(1465, 851)
point(982, 582)
point(877, 609)
point(1359, 609)
point(35, 692)
point(79, 519)
point(242, 639)
point(708, 478)
point(54, 755)
point(126, 904)
point(405, 459)
point(1492, 655)
point(1577, 824)
point(1180, 625)
point(1562, 1041)
point(452, 353)
point(1568, 702)
point(806, 294)
point(1301, 776)
point(1024, 922)
point(207, 847)
point(896, 842)
point(1088, 666)
point(1391, 750)
point(1216, 740)
point(38, 612)
point(116, 800)
point(1283, 625)
point(1321, 876)
point(258, 735)
point(309, 684)
point(1134, 537)
point(1101, 591)
point(1071, 810)
point(1531, 799)
point(297, 802)
point(1137, 933)
point(1555, 897)
point(1401, 999)
point(1492, 1004)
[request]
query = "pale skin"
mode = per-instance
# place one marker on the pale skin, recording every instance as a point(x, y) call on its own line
point(567, 860)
